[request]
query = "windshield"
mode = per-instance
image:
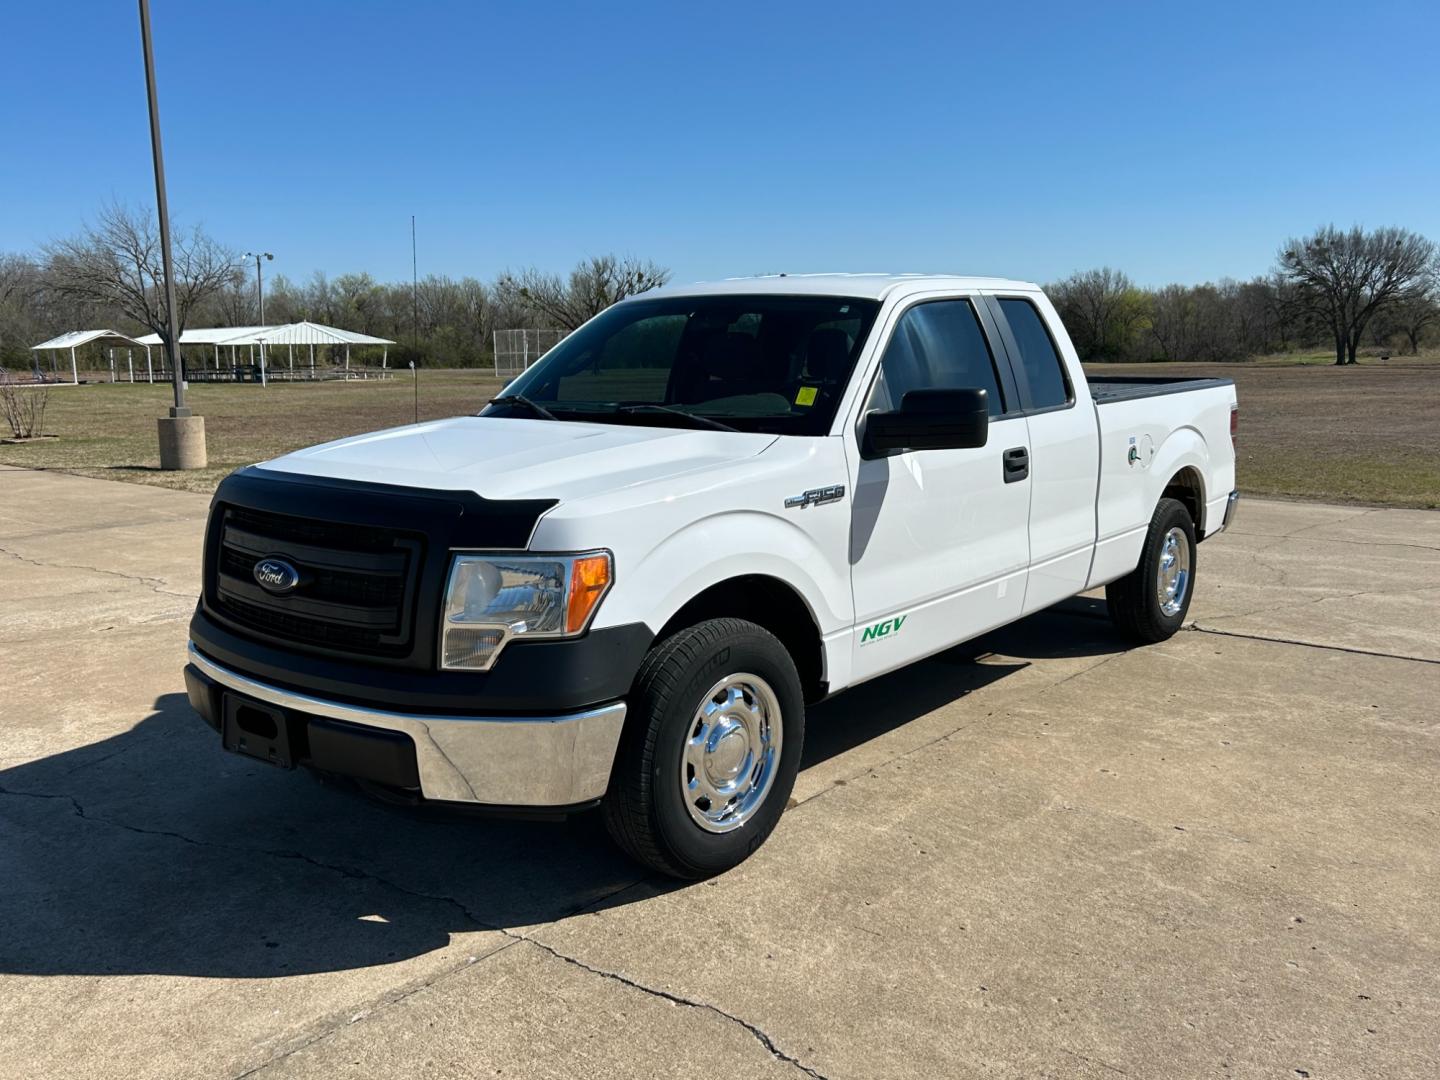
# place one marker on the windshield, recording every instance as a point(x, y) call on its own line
point(772, 364)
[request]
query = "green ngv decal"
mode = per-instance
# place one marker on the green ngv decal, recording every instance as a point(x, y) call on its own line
point(879, 630)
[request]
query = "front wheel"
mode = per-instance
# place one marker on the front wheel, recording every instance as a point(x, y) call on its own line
point(710, 750)
point(1149, 603)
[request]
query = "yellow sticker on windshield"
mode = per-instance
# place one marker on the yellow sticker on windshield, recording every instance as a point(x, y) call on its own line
point(806, 395)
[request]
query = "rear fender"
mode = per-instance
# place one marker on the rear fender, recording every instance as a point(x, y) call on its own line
point(1130, 497)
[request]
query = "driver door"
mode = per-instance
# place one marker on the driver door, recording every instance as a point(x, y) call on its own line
point(939, 541)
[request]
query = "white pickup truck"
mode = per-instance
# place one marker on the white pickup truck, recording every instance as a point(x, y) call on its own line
point(623, 581)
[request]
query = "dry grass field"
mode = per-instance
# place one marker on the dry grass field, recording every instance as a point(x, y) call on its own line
point(1308, 429)
point(109, 430)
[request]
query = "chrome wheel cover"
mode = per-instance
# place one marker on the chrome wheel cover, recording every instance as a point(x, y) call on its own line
point(1172, 580)
point(732, 753)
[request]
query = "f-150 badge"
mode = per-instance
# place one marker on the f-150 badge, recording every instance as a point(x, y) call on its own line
point(816, 497)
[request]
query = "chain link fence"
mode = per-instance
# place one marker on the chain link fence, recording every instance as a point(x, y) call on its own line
point(516, 350)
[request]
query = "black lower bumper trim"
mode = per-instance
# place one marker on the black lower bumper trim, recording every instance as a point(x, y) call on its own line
point(385, 757)
point(319, 742)
point(538, 677)
point(204, 695)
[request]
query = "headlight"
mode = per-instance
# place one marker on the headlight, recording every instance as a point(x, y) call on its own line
point(492, 598)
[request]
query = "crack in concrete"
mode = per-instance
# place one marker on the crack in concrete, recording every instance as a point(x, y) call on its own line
point(1343, 517)
point(153, 584)
point(1338, 540)
point(678, 999)
point(1196, 628)
point(44, 795)
point(353, 872)
point(137, 742)
point(1281, 573)
point(1076, 674)
point(1272, 607)
point(44, 530)
point(363, 1014)
point(1092, 1061)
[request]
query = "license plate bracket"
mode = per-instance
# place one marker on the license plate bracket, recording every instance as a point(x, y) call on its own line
point(257, 730)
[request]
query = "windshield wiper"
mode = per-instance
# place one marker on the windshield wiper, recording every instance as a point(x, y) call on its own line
point(704, 421)
point(521, 399)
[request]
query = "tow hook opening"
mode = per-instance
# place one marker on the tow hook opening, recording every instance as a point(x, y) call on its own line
point(255, 722)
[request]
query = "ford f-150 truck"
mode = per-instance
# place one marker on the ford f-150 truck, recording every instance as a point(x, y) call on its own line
point(622, 582)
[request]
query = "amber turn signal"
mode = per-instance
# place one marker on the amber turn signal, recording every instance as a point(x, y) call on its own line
point(589, 578)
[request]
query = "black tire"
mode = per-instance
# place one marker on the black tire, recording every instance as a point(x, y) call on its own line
point(645, 810)
point(1134, 603)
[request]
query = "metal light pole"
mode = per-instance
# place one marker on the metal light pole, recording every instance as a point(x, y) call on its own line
point(260, 279)
point(182, 435)
point(260, 293)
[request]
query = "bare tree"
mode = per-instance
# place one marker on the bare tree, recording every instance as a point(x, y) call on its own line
point(1345, 278)
point(234, 303)
point(18, 276)
point(116, 264)
point(1258, 315)
point(1102, 310)
point(1407, 322)
point(593, 286)
point(23, 407)
point(20, 290)
point(1413, 317)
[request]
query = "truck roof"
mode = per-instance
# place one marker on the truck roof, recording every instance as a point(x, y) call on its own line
point(873, 286)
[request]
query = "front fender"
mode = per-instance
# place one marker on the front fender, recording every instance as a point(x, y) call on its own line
point(733, 544)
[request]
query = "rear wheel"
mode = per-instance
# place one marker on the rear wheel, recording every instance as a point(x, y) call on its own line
point(1149, 604)
point(710, 750)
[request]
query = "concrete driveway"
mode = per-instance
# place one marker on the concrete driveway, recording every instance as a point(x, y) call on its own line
point(1038, 855)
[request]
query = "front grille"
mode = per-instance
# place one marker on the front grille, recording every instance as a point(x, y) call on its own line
point(357, 582)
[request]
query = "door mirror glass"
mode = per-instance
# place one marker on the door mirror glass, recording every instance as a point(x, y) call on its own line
point(931, 420)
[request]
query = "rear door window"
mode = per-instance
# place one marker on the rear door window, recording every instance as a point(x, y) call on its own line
point(1038, 366)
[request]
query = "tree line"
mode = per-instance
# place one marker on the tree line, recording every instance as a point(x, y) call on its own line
point(1344, 289)
point(109, 274)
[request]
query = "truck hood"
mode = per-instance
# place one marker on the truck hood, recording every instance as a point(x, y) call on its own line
point(500, 458)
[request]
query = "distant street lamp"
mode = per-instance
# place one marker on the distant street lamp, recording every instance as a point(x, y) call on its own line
point(260, 293)
point(182, 435)
point(260, 278)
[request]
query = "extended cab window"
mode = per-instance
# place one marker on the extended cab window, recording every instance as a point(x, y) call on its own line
point(936, 346)
point(776, 364)
point(1038, 364)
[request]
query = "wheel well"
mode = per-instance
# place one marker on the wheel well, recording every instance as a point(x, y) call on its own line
point(1187, 487)
point(767, 602)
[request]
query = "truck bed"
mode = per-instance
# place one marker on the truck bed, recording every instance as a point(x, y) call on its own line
point(1107, 388)
point(1150, 430)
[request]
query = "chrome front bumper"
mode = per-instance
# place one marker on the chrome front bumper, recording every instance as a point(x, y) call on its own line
point(517, 761)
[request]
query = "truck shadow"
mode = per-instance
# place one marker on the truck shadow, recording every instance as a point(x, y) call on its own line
point(153, 852)
point(1076, 628)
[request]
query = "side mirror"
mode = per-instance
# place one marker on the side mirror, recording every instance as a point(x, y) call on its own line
point(931, 420)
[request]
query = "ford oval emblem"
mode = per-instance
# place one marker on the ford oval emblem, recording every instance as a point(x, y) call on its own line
point(276, 575)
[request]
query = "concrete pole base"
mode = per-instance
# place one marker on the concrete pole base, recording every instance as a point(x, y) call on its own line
point(182, 442)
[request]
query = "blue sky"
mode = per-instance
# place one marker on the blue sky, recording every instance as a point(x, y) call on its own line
point(1176, 142)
